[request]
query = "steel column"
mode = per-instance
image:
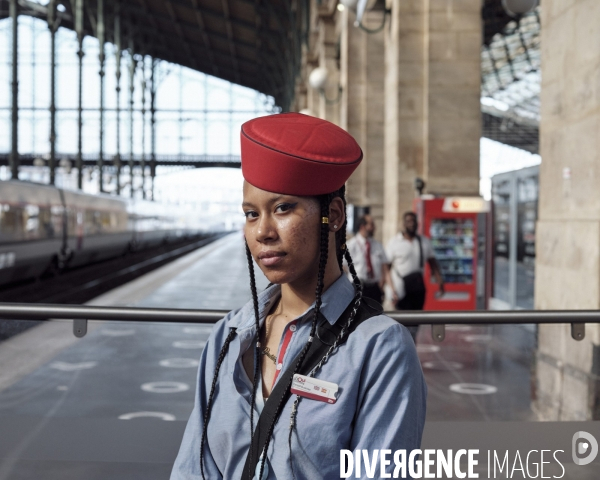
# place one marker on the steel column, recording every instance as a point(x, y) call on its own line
point(180, 111)
point(52, 25)
point(118, 48)
point(143, 160)
point(153, 125)
point(14, 150)
point(79, 30)
point(101, 58)
point(132, 65)
point(512, 242)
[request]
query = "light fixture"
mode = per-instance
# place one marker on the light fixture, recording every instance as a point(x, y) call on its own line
point(360, 7)
point(349, 4)
point(318, 80)
point(519, 7)
point(65, 163)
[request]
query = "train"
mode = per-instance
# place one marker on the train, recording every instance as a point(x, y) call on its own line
point(45, 229)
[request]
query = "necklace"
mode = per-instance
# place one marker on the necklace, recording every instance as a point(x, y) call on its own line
point(266, 351)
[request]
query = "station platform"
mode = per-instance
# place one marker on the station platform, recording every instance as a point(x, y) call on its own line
point(114, 403)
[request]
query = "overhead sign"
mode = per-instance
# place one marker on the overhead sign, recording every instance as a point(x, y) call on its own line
point(465, 205)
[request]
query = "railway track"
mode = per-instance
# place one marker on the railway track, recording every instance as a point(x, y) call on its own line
point(81, 285)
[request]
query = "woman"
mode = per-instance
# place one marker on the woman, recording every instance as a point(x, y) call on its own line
point(312, 321)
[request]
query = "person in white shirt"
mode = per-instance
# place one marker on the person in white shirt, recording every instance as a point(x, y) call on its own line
point(370, 260)
point(407, 253)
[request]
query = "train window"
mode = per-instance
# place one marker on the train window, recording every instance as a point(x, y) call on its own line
point(72, 220)
point(45, 222)
point(11, 223)
point(31, 222)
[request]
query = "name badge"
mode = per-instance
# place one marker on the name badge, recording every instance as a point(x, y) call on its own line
point(314, 388)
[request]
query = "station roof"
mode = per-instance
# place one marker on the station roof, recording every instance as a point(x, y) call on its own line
point(510, 71)
point(258, 44)
point(253, 43)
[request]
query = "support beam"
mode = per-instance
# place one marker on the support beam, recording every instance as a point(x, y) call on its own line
point(153, 125)
point(14, 150)
point(101, 58)
point(143, 159)
point(118, 52)
point(132, 66)
point(53, 26)
point(80, 33)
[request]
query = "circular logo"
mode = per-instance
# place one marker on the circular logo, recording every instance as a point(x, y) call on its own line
point(584, 443)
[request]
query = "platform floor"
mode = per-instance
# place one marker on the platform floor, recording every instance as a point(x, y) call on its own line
point(71, 405)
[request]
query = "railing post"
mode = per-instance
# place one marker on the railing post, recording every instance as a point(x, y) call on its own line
point(438, 333)
point(578, 331)
point(79, 328)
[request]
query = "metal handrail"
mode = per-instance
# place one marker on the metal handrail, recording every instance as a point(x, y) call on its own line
point(82, 313)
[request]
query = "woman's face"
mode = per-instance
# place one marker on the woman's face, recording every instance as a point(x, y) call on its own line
point(282, 232)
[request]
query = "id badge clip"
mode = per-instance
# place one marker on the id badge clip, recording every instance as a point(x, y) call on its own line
point(314, 388)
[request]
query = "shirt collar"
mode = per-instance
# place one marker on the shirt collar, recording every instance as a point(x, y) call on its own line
point(333, 303)
point(360, 239)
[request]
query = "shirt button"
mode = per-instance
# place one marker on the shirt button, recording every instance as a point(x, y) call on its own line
point(293, 328)
point(279, 366)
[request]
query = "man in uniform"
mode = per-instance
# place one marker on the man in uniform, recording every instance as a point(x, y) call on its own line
point(407, 253)
point(370, 260)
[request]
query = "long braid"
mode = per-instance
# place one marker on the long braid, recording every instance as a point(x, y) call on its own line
point(341, 253)
point(257, 355)
point(324, 201)
point(222, 354)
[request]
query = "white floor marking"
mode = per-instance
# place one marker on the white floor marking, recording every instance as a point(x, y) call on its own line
point(427, 348)
point(167, 417)
point(71, 367)
point(165, 387)
point(116, 332)
point(439, 365)
point(62, 388)
point(179, 363)
point(189, 344)
point(473, 388)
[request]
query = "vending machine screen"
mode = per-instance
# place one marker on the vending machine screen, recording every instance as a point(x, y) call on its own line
point(452, 243)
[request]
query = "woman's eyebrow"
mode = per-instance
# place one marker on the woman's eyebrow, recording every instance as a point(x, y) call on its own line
point(269, 201)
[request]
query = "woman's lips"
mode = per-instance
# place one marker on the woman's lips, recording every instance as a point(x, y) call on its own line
point(271, 258)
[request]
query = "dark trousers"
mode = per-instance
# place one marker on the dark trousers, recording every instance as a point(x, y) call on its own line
point(412, 302)
point(372, 291)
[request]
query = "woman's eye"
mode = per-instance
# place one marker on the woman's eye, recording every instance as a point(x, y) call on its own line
point(250, 214)
point(285, 207)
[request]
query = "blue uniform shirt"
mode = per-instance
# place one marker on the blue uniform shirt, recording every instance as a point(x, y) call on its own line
point(381, 399)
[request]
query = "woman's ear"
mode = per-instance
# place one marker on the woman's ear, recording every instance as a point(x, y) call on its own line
point(337, 214)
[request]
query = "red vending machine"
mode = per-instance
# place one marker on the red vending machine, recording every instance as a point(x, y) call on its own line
point(460, 231)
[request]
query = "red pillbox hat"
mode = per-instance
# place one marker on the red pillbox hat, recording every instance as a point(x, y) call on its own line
point(297, 154)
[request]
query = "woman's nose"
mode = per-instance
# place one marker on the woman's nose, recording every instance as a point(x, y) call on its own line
point(266, 230)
